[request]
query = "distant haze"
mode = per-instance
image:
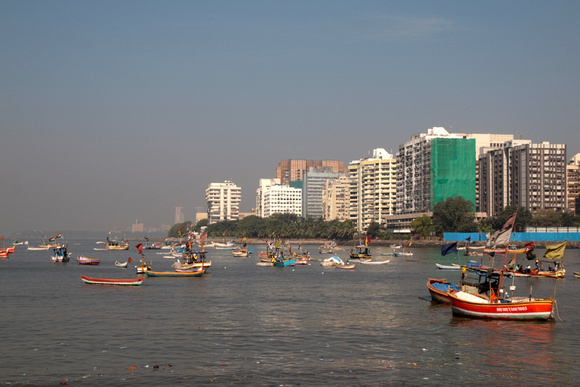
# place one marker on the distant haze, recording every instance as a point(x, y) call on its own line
point(116, 111)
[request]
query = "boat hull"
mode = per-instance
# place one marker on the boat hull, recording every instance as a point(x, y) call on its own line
point(112, 281)
point(439, 290)
point(289, 262)
point(186, 274)
point(536, 309)
point(88, 261)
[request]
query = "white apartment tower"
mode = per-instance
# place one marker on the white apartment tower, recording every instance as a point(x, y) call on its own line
point(265, 184)
point(273, 198)
point(223, 201)
point(372, 189)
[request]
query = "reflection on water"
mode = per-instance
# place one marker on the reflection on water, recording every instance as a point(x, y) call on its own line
point(244, 324)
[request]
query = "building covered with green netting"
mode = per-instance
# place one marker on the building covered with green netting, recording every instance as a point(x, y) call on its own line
point(452, 170)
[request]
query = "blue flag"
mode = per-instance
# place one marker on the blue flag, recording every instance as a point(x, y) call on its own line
point(449, 248)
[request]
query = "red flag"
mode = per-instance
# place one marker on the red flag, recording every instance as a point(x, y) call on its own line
point(140, 248)
point(130, 260)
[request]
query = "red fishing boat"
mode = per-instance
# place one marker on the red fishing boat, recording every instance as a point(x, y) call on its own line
point(498, 304)
point(112, 281)
point(521, 308)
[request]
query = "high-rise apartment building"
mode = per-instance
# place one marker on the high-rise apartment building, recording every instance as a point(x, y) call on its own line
point(573, 191)
point(432, 167)
point(372, 189)
point(294, 170)
point(223, 201)
point(265, 184)
point(281, 199)
point(179, 218)
point(523, 174)
point(336, 199)
point(313, 183)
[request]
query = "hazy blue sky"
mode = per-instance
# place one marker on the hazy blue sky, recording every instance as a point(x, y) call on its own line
point(112, 111)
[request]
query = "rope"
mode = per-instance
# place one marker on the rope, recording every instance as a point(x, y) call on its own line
point(557, 311)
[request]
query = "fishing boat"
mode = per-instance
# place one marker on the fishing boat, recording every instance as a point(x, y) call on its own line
point(60, 254)
point(396, 246)
point(175, 274)
point(360, 252)
point(453, 266)
point(82, 260)
point(112, 281)
point(240, 252)
point(521, 308)
point(192, 261)
point(123, 264)
point(553, 258)
point(327, 248)
point(332, 261)
point(224, 246)
point(439, 289)
point(345, 266)
point(371, 262)
point(499, 305)
point(113, 244)
point(577, 274)
point(281, 261)
point(143, 267)
point(402, 253)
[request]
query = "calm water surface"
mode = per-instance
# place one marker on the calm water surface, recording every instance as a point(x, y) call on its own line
point(242, 324)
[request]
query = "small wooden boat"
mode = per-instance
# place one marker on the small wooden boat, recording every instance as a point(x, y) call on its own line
point(439, 289)
point(283, 262)
point(453, 266)
point(88, 261)
point(345, 266)
point(112, 281)
point(403, 253)
point(121, 264)
point(577, 274)
point(365, 262)
point(239, 252)
point(197, 273)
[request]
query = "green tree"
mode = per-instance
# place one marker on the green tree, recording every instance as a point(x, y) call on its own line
point(374, 230)
point(423, 225)
point(455, 214)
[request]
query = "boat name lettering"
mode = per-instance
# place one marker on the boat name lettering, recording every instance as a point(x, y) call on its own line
point(512, 309)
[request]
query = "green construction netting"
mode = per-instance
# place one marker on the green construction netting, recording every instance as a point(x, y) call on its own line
point(452, 169)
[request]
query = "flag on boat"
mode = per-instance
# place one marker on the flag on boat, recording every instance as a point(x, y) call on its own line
point(555, 251)
point(449, 248)
point(140, 248)
point(130, 260)
point(500, 238)
point(510, 222)
point(59, 235)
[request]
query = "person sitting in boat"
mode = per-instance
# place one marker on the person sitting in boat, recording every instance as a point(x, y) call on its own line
point(528, 270)
point(538, 265)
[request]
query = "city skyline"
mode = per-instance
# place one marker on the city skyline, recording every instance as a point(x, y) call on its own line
point(117, 111)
